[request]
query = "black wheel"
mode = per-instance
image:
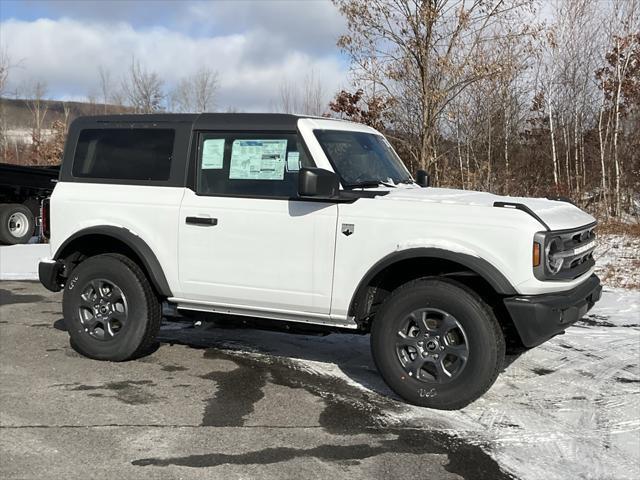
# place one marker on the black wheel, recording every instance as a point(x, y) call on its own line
point(110, 309)
point(437, 344)
point(17, 224)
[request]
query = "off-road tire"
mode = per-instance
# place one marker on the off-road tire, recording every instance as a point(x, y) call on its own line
point(26, 227)
point(138, 334)
point(486, 345)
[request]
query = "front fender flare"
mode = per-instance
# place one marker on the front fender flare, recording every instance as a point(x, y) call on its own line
point(481, 267)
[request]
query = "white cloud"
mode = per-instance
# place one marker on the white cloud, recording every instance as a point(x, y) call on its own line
point(252, 63)
point(309, 25)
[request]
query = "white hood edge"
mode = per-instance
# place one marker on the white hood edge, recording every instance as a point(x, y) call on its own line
point(558, 215)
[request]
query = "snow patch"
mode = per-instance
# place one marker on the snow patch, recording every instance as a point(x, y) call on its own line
point(20, 262)
point(618, 260)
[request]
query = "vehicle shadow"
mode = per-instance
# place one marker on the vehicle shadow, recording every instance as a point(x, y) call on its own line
point(347, 352)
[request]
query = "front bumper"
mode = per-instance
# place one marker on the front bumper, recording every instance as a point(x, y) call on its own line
point(539, 317)
point(49, 273)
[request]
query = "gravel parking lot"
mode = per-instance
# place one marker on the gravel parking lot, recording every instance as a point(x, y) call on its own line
point(220, 402)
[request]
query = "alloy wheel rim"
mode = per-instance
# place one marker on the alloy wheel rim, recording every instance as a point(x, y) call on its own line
point(103, 309)
point(18, 224)
point(432, 346)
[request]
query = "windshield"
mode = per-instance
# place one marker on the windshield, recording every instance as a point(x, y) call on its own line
point(362, 159)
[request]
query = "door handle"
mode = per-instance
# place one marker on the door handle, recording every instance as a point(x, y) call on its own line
point(206, 221)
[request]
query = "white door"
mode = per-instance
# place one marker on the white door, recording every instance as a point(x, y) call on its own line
point(244, 240)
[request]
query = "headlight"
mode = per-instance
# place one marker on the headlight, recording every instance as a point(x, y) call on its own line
point(554, 263)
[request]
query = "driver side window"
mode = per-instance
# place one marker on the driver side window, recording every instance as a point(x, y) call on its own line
point(250, 165)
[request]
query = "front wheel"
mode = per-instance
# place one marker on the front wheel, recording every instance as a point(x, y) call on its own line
point(110, 309)
point(437, 344)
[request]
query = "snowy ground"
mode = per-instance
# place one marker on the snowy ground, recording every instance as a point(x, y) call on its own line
point(567, 409)
point(618, 260)
point(20, 262)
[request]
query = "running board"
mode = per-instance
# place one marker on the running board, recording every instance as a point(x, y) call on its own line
point(272, 314)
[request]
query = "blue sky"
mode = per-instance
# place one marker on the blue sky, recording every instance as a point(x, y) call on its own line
point(255, 46)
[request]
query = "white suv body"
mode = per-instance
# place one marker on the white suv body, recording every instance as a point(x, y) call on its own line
point(224, 224)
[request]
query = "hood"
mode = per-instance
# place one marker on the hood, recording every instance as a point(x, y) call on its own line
point(556, 214)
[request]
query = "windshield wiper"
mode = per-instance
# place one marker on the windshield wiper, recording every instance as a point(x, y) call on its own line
point(370, 184)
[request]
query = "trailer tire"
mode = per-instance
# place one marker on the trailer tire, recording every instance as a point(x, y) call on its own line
point(17, 224)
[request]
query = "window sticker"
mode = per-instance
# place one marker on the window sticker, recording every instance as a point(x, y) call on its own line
point(293, 161)
point(258, 159)
point(212, 153)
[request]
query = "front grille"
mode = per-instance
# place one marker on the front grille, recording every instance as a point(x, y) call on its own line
point(568, 253)
point(577, 250)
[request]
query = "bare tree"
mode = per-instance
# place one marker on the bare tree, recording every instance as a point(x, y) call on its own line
point(38, 107)
point(307, 97)
point(619, 81)
point(105, 87)
point(142, 89)
point(487, 117)
point(287, 98)
point(566, 64)
point(492, 94)
point(5, 65)
point(426, 51)
point(205, 85)
point(196, 93)
point(624, 45)
point(313, 96)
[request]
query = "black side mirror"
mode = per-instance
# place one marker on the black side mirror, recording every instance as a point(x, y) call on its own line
point(422, 178)
point(318, 183)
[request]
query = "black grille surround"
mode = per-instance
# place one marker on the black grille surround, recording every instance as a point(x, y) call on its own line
point(570, 252)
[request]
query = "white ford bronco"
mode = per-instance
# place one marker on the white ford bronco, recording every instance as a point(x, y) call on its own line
point(314, 220)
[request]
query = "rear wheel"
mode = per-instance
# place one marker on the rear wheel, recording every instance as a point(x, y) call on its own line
point(110, 309)
point(17, 224)
point(437, 344)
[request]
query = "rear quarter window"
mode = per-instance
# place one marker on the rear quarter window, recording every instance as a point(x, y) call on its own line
point(124, 154)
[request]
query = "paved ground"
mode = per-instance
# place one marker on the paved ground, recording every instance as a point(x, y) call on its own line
point(216, 402)
point(204, 405)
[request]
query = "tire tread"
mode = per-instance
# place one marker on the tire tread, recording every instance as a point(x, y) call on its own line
point(153, 305)
point(455, 287)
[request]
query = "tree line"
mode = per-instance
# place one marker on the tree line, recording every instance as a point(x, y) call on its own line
point(519, 97)
point(139, 90)
point(513, 96)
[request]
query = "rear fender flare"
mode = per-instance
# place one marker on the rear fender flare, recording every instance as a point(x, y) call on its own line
point(135, 243)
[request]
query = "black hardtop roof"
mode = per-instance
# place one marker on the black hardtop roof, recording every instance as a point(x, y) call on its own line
point(202, 121)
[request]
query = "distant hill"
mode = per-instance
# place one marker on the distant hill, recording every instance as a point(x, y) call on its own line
point(17, 114)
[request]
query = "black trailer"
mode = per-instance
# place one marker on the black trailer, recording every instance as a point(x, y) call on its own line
point(22, 190)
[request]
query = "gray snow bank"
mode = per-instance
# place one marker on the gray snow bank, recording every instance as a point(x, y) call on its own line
point(20, 262)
